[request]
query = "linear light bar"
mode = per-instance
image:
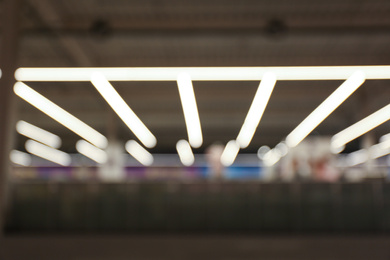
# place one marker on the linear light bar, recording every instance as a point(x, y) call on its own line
point(200, 73)
point(123, 110)
point(185, 153)
point(384, 138)
point(256, 109)
point(376, 151)
point(60, 115)
point(139, 153)
point(361, 127)
point(38, 134)
point(91, 151)
point(190, 109)
point(230, 152)
point(20, 158)
point(0, 73)
point(271, 157)
point(325, 108)
point(48, 153)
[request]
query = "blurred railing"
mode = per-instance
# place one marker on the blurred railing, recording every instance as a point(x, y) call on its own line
point(204, 206)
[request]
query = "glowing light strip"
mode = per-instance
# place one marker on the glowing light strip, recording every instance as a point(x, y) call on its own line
point(360, 128)
point(20, 158)
point(60, 115)
point(0, 73)
point(374, 152)
point(190, 110)
point(185, 153)
point(91, 151)
point(325, 109)
point(139, 153)
point(123, 110)
point(256, 109)
point(48, 153)
point(200, 73)
point(230, 152)
point(38, 134)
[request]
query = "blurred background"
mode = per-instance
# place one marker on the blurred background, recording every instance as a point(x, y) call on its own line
point(268, 199)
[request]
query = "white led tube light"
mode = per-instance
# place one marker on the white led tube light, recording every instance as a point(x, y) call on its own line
point(38, 134)
point(190, 109)
point(123, 110)
point(230, 152)
point(256, 109)
point(363, 126)
point(20, 158)
point(91, 151)
point(185, 153)
point(325, 108)
point(48, 153)
point(201, 73)
point(139, 153)
point(60, 115)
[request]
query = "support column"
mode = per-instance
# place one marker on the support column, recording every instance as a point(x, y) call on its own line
point(8, 61)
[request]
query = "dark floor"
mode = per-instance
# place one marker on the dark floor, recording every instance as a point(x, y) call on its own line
point(116, 247)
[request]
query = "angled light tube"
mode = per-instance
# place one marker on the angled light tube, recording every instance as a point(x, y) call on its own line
point(325, 108)
point(91, 151)
point(256, 109)
point(123, 110)
point(139, 153)
point(271, 157)
point(363, 126)
point(190, 109)
point(230, 152)
point(185, 153)
point(201, 73)
point(38, 134)
point(60, 115)
point(374, 152)
point(48, 153)
point(20, 158)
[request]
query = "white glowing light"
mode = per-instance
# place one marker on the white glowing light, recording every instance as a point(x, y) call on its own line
point(139, 153)
point(38, 134)
point(384, 138)
point(123, 110)
point(0, 73)
point(272, 157)
point(91, 151)
point(20, 158)
point(190, 109)
point(361, 127)
point(48, 153)
point(60, 115)
point(185, 153)
point(325, 108)
point(201, 73)
point(230, 152)
point(357, 157)
point(263, 150)
point(374, 152)
point(256, 109)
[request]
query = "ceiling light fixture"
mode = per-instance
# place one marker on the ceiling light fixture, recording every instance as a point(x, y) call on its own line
point(230, 152)
point(123, 110)
point(48, 153)
point(91, 151)
point(363, 126)
point(185, 153)
point(325, 108)
point(20, 158)
point(256, 109)
point(60, 115)
point(38, 134)
point(190, 109)
point(201, 73)
point(139, 153)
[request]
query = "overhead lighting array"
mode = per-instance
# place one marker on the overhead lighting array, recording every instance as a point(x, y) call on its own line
point(60, 115)
point(38, 134)
point(123, 110)
point(20, 158)
point(363, 126)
